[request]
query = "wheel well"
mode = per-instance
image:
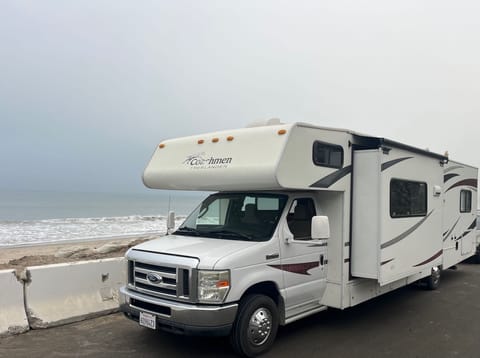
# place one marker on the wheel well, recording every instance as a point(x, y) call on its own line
point(270, 289)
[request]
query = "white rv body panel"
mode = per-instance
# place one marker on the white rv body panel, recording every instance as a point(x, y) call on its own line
point(292, 164)
point(387, 246)
point(241, 159)
point(366, 211)
point(459, 226)
point(254, 158)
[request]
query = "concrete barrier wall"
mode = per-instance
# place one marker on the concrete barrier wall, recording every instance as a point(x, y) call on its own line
point(13, 319)
point(64, 293)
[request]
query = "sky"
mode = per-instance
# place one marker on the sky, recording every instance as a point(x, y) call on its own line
point(89, 88)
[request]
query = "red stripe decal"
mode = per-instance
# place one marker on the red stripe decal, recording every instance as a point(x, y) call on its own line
point(386, 262)
point(301, 268)
point(430, 259)
point(467, 182)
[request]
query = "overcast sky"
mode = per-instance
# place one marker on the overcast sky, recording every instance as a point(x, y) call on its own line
point(89, 88)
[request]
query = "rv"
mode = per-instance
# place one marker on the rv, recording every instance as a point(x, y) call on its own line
point(302, 218)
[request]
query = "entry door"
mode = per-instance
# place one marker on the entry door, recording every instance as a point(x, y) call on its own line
point(303, 259)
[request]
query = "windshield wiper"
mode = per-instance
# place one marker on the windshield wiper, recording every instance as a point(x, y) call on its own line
point(233, 234)
point(187, 231)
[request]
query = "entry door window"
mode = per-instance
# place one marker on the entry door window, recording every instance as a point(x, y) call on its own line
point(465, 201)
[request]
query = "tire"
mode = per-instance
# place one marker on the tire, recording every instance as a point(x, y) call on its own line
point(256, 326)
point(433, 281)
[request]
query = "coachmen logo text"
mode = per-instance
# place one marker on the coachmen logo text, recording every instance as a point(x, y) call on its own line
point(202, 161)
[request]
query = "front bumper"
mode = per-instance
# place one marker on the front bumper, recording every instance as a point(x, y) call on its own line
point(176, 317)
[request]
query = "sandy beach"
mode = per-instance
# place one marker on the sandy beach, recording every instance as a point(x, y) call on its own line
point(19, 257)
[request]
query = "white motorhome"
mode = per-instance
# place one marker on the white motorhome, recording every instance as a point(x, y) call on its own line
point(303, 218)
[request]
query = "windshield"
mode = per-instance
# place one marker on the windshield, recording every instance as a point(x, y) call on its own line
point(235, 216)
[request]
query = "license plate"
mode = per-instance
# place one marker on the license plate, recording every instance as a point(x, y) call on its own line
point(148, 320)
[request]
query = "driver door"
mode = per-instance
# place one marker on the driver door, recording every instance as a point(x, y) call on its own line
point(303, 259)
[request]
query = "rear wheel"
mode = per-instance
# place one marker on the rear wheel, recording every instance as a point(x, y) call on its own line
point(433, 281)
point(256, 326)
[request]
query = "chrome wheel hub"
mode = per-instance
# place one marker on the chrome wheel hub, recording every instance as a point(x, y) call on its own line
point(260, 326)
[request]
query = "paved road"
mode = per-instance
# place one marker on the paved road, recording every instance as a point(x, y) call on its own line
point(409, 322)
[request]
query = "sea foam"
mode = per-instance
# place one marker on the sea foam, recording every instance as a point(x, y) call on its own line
point(54, 230)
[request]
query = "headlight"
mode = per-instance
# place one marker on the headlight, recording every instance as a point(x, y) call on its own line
point(213, 286)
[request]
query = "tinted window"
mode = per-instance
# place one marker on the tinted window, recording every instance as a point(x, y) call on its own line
point(465, 201)
point(327, 155)
point(299, 218)
point(407, 198)
point(235, 216)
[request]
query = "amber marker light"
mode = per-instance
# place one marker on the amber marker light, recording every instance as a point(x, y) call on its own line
point(161, 146)
point(200, 141)
point(230, 138)
point(282, 131)
point(215, 140)
point(223, 284)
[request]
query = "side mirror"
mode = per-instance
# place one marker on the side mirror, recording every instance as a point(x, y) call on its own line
point(320, 227)
point(170, 221)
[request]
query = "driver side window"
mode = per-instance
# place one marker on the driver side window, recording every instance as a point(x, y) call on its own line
point(299, 218)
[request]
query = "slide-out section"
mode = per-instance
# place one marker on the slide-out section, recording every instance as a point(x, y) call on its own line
point(397, 209)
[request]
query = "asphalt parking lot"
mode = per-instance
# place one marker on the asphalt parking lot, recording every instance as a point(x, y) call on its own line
point(409, 322)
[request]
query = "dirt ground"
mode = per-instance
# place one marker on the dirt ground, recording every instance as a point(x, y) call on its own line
point(20, 257)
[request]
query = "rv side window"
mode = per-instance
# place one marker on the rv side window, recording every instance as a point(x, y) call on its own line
point(327, 155)
point(407, 198)
point(465, 201)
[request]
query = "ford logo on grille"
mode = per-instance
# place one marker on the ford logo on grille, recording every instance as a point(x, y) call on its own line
point(154, 278)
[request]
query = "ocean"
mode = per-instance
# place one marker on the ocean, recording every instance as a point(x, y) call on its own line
point(33, 217)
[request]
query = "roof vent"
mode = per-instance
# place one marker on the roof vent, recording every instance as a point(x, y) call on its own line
point(263, 122)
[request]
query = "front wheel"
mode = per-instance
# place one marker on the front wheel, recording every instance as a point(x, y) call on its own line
point(256, 325)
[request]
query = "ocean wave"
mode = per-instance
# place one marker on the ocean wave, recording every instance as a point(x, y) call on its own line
point(53, 230)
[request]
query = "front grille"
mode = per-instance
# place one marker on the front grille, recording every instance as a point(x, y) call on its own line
point(159, 280)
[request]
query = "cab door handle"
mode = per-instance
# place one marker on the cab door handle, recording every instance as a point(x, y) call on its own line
point(322, 260)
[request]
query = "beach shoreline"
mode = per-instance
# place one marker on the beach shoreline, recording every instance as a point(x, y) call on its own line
point(20, 256)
